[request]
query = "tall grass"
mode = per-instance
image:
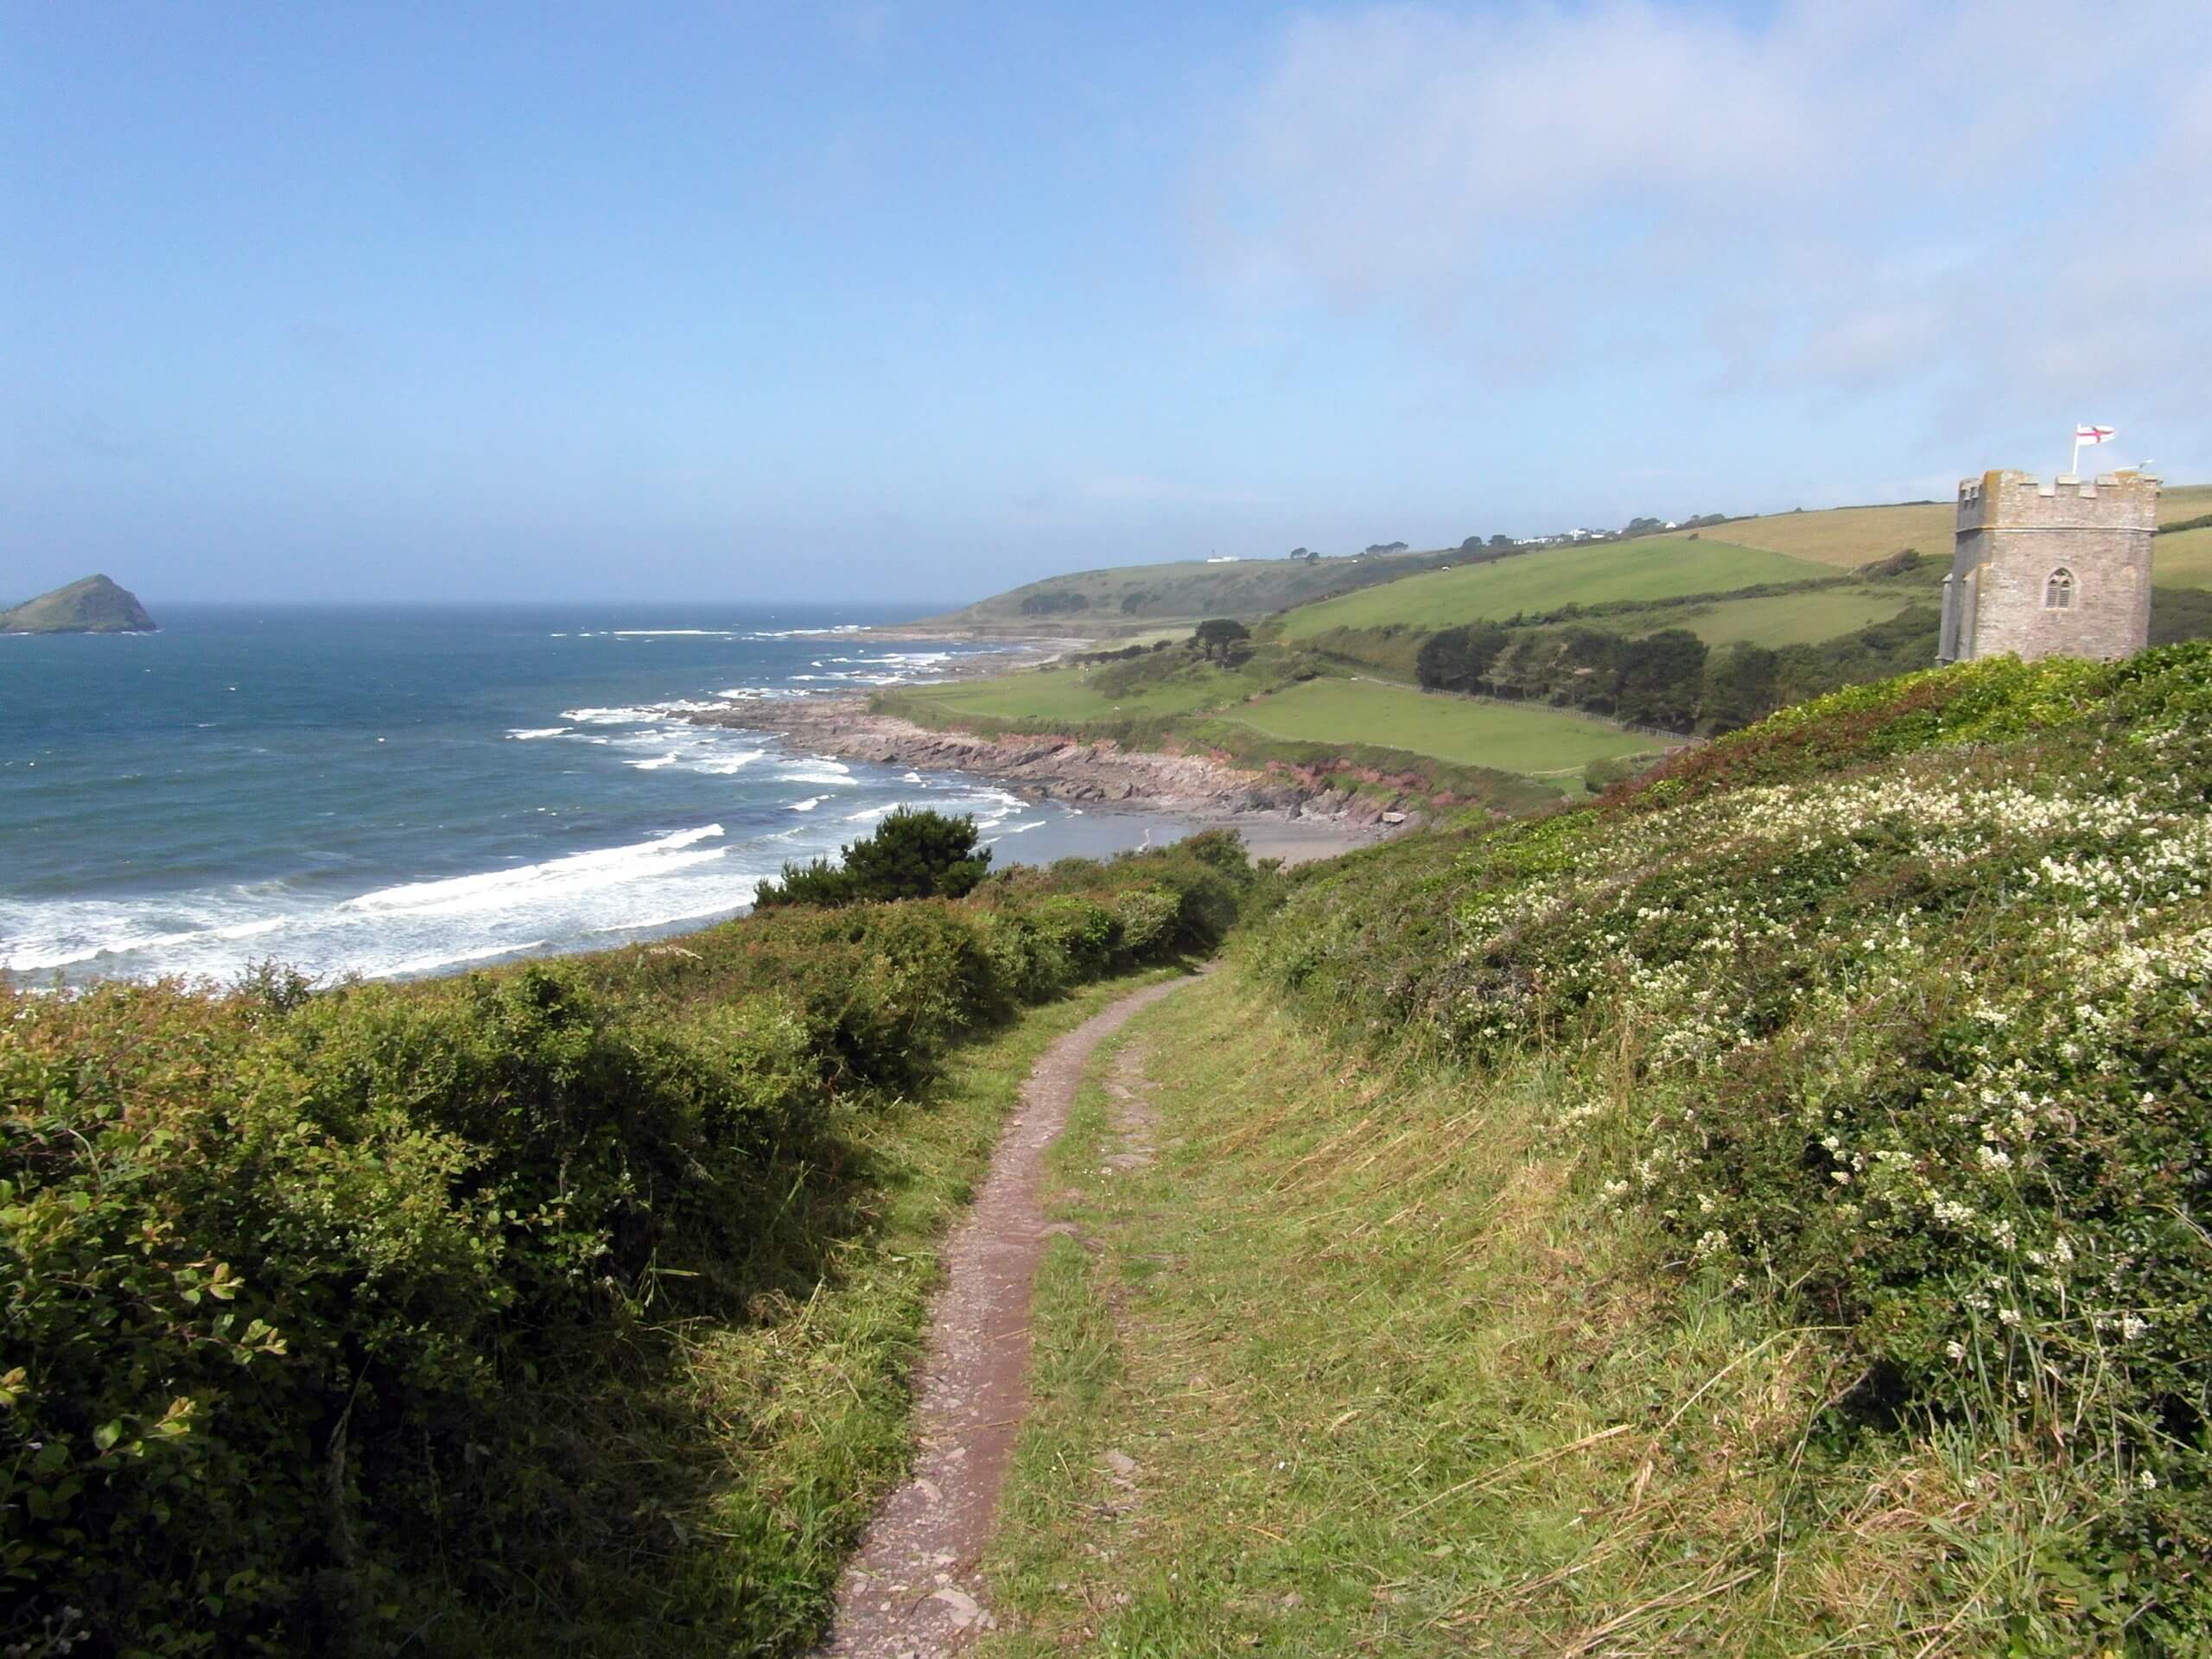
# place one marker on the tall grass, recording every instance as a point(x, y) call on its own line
point(1762, 1212)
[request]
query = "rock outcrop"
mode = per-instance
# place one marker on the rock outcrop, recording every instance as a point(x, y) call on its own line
point(1053, 768)
point(92, 606)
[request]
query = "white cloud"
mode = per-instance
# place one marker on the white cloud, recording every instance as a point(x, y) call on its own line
point(1992, 198)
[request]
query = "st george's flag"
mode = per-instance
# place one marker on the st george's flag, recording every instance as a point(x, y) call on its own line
point(2092, 435)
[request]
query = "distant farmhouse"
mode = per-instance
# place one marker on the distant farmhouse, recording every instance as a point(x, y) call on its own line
point(2057, 569)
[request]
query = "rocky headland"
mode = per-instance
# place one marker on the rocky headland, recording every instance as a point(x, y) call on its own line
point(1065, 769)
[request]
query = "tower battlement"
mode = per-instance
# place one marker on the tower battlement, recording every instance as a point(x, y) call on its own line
point(2057, 567)
point(2022, 501)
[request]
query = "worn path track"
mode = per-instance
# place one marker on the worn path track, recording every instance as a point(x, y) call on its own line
point(913, 1591)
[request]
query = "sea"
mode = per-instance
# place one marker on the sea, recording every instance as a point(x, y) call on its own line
point(398, 792)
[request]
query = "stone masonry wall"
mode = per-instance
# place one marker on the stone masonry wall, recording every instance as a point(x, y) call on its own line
point(2014, 532)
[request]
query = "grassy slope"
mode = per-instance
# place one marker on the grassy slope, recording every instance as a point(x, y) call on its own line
point(1369, 1345)
point(1512, 737)
point(1372, 725)
point(1847, 537)
point(1779, 619)
point(1184, 591)
point(2183, 560)
point(1759, 1216)
point(1070, 694)
point(1649, 568)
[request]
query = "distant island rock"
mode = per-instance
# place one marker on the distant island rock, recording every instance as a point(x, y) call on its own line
point(92, 606)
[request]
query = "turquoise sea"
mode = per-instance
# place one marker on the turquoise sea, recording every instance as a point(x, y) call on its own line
point(394, 793)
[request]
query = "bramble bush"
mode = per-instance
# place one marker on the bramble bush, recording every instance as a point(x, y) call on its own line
point(320, 1305)
point(1898, 1009)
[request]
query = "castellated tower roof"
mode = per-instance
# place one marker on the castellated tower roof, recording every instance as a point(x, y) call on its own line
point(2050, 569)
point(2013, 500)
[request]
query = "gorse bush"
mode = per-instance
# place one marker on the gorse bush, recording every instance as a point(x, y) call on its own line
point(1893, 1009)
point(324, 1310)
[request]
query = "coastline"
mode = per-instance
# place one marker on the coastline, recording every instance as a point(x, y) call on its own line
point(1279, 818)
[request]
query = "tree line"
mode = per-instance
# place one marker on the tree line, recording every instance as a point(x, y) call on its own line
point(1670, 680)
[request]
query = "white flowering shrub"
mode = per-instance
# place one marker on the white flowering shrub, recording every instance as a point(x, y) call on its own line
point(1912, 989)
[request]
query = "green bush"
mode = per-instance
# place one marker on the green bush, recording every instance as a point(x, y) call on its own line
point(913, 854)
point(329, 1314)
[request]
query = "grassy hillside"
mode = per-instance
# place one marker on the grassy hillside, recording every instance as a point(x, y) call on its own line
point(1271, 711)
point(1801, 619)
point(1847, 537)
point(2183, 559)
point(1511, 737)
point(1660, 567)
point(1133, 600)
point(1761, 1213)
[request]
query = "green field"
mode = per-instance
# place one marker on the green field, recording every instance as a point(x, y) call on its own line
point(1069, 695)
point(1136, 601)
point(1847, 537)
point(2183, 560)
point(1660, 567)
point(1468, 731)
point(1784, 619)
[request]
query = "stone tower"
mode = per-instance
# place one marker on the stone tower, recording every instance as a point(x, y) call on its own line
point(2057, 569)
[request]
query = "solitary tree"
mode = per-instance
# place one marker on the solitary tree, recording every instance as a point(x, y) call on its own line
point(912, 854)
point(1217, 635)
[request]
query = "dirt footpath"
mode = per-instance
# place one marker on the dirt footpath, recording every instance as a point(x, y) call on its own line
point(913, 1592)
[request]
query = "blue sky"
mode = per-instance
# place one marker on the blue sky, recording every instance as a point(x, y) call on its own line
point(916, 302)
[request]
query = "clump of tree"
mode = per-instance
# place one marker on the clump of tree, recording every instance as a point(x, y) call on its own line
point(1303, 553)
point(1458, 659)
point(1374, 548)
point(1133, 603)
point(1221, 638)
point(914, 854)
point(1055, 602)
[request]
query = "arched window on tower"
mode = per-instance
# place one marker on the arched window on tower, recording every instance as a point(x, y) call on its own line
point(2058, 591)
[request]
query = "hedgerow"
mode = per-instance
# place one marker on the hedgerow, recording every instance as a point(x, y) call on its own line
point(326, 1311)
point(1893, 1009)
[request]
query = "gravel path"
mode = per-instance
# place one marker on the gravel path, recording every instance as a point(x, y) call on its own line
point(913, 1591)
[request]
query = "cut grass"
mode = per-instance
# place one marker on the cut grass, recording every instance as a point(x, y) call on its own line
point(1387, 1378)
point(1847, 537)
point(2183, 559)
point(1466, 731)
point(1663, 566)
point(1780, 618)
point(1069, 695)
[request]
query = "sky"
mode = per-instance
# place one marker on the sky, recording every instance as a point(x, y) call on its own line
point(916, 302)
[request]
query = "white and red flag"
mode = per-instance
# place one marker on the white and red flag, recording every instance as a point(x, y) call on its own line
point(2086, 434)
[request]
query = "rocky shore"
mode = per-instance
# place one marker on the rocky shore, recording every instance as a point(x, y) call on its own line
point(1265, 806)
